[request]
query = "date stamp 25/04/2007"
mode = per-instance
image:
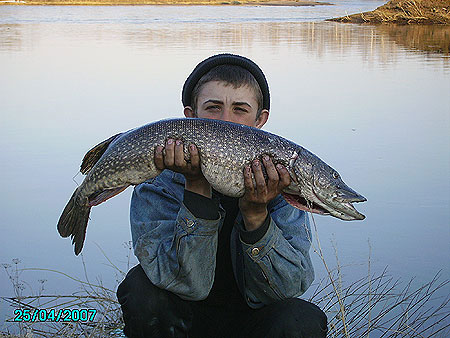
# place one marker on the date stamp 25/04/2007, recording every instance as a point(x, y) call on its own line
point(53, 315)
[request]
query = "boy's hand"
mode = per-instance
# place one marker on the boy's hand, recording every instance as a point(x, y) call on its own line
point(253, 204)
point(172, 157)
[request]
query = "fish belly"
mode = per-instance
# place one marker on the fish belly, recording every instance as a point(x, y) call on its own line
point(228, 181)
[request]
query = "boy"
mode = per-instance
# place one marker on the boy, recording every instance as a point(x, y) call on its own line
point(211, 265)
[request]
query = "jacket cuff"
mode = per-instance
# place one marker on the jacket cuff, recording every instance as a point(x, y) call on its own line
point(251, 237)
point(201, 206)
point(260, 248)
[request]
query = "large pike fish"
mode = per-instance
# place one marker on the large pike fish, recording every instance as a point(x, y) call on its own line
point(225, 148)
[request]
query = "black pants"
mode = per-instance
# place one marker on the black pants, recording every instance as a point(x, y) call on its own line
point(149, 312)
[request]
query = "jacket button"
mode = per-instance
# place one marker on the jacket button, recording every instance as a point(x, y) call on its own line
point(190, 223)
point(255, 252)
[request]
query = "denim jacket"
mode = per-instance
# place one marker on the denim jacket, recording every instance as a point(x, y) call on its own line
point(178, 250)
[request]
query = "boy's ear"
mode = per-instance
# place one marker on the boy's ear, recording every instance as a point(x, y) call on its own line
point(189, 112)
point(262, 119)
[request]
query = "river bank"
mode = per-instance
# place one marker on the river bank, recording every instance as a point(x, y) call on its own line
point(167, 2)
point(404, 12)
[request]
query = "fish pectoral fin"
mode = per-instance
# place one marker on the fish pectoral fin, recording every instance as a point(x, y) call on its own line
point(93, 155)
point(104, 195)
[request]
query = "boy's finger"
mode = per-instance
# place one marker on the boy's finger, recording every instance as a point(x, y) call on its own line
point(272, 174)
point(195, 157)
point(159, 159)
point(261, 186)
point(179, 154)
point(169, 153)
point(285, 179)
point(248, 182)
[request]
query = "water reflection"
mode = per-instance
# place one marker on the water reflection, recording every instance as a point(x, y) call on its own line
point(373, 43)
point(318, 38)
point(429, 38)
point(11, 37)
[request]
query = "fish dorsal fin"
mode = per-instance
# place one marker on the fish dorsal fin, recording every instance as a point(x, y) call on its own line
point(93, 155)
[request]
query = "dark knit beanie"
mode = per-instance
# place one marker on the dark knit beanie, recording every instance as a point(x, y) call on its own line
point(225, 59)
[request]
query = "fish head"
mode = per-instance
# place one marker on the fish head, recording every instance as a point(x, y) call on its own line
point(318, 188)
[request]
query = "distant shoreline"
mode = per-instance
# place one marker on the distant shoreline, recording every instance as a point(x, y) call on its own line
point(166, 2)
point(427, 12)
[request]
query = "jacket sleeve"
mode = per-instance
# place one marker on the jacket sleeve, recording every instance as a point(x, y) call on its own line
point(176, 249)
point(278, 265)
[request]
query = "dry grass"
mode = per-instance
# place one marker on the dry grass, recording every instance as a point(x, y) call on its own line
point(91, 295)
point(379, 304)
point(405, 12)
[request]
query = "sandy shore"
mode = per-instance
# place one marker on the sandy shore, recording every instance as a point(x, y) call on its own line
point(167, 2)
point(404, 12)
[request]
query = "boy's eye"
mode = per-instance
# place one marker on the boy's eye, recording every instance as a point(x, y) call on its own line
point(241, 110)
point(215, 107)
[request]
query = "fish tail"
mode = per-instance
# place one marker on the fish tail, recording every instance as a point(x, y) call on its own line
point(73, 221)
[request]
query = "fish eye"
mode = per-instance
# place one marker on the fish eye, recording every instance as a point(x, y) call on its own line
point(335, 175)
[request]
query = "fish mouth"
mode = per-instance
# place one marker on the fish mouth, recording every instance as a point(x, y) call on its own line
point(302, 203)
point(338, 206)
point(340, 203)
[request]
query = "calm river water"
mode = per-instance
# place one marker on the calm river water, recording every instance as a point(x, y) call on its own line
point(373, 102)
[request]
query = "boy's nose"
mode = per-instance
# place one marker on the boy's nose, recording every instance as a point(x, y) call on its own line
point(227, 115)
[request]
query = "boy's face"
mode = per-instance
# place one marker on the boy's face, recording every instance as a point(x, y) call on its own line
point(221, 101)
